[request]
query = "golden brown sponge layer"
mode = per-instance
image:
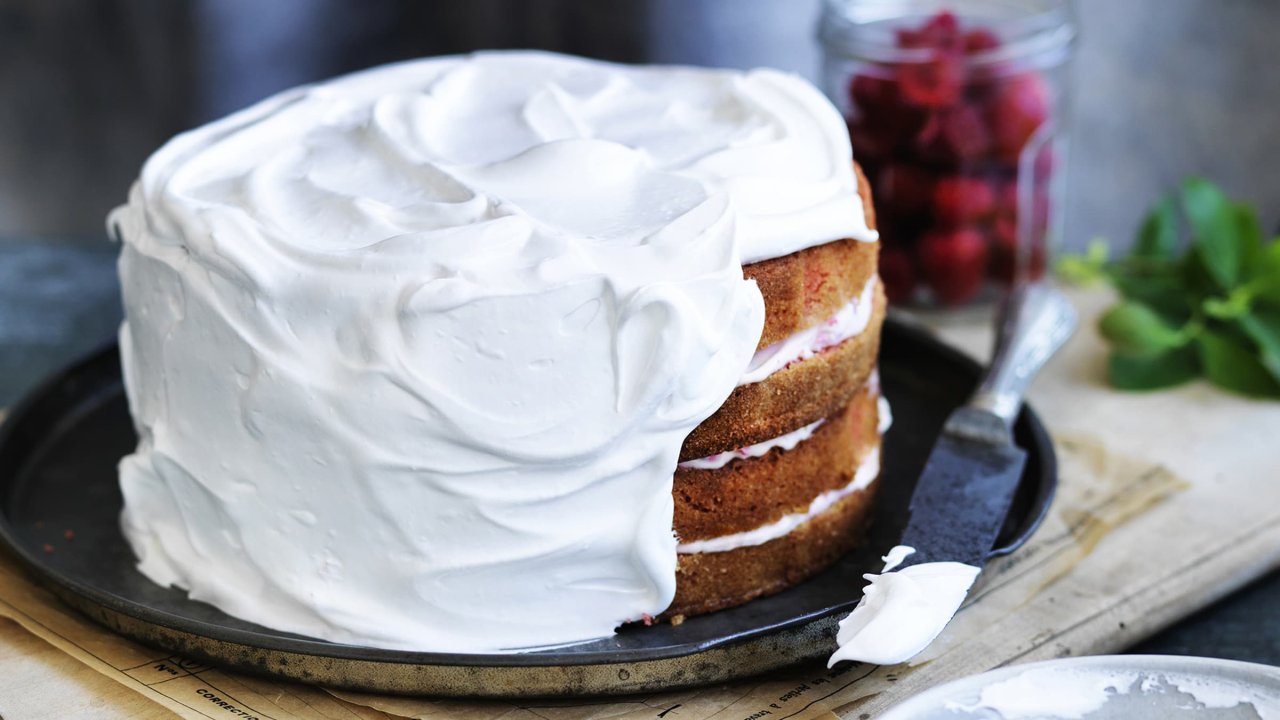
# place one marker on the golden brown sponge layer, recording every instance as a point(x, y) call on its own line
point(793, 397)
point(751, 492)
point(713, 581)
point(805, 288)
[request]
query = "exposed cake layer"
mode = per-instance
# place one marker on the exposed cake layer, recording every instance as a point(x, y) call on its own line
point(867, 472)
point(806, 288)
point(711, 581)
point(793, 397)
point(848, 321)
point(782, 442)
point(748, 494)
point(760, 524)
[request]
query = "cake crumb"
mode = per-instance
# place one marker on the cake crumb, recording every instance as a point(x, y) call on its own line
point(68, 535)
point(677, 619)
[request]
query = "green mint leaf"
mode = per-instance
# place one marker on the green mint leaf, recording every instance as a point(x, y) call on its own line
point(1213, 310)
point(1160, 286)
point(1266, 282)
point(1263, 327)
point(1137, 330)
point(1158, 236)
point(1153, 373)
point(1215, 231)
point(1086, 269)
point(1235, 305)
point(1251, 241)
point(1232, 365)
point(1078, 271)
point(1197, 279)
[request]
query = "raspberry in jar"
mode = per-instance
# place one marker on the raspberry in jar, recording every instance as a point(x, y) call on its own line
point(956, 111)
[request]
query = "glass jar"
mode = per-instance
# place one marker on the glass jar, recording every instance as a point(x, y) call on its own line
point(955, 111)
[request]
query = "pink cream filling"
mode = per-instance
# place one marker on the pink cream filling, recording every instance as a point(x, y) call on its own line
point(848, 321)
point(786, 442)
point(865, 474)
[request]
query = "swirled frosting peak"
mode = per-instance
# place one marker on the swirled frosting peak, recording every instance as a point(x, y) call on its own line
point(411, 353)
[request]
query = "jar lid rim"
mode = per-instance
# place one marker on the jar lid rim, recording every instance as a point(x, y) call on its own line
point(864, 29)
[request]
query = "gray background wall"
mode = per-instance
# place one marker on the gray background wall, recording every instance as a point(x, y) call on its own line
point(1164, 88)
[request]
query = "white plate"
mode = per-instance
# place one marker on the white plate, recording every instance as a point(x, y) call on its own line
point(1132, 687)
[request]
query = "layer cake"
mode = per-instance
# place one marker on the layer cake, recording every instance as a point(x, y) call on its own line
point(496, 352)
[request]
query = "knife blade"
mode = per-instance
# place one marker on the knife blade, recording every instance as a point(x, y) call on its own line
point(963, 495)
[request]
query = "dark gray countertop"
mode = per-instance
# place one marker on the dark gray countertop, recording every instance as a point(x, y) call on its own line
point(60, 300)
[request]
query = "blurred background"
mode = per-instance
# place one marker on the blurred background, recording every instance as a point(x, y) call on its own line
point(1163, 88)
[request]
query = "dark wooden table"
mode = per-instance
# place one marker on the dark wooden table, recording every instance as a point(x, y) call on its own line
point(59, 299)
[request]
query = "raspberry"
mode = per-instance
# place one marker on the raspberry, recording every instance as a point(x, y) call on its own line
point(1040, 210)
point(1004, 250)
point(1019, 105)
point(954, 135)
point(934, 83)
point(869, 145)
point(1007, 205)
point(882, 111)
point(1046, 161)
point(982, 76)
point(962, 200)
point(980, 40)
point(954, 263)
point(904, 189)
point(869, 92)
point(1005, 233)
point(939, 81)
point(939, 32)
point(1007, 199)
point(897, 273)
point(1005, 254)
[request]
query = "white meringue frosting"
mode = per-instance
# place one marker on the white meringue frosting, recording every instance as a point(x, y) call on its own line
point(411, 353)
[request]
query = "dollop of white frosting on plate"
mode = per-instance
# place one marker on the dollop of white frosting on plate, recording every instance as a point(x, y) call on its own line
point(902, 611)
point(411, 353)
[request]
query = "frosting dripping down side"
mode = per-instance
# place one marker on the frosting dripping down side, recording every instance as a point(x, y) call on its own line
point(411, 354)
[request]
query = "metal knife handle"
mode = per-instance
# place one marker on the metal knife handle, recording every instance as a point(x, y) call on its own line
point(1034, 323)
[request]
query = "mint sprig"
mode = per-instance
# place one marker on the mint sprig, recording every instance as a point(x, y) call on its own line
point(1208, 307)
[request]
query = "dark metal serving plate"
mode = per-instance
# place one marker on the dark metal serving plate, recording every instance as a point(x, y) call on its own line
point(58, 455)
